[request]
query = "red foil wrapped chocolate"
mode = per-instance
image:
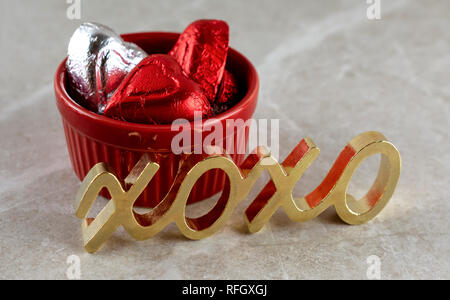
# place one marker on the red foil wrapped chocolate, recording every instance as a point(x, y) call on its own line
point(201, 52)
point(228, 89)
point(157, 92)
point(227, 96)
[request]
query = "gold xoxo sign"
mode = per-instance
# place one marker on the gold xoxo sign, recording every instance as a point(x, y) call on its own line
point(278, 191)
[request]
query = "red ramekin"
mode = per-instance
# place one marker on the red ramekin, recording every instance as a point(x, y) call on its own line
point(93, 138)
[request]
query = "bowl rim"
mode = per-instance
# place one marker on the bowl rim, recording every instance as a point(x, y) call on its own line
point(66, 100)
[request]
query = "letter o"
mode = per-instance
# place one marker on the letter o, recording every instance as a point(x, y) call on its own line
point(215, 219)
point(356, 212)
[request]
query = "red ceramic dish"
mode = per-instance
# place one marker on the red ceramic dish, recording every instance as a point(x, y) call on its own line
point(93, 138)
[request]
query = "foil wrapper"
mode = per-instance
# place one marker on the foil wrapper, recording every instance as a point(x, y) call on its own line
point(98, 61)
point(157, 91)
point(228, 94)
point(228, 90)
point(201, 51)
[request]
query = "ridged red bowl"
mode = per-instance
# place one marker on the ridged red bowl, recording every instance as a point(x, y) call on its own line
point(93, 138)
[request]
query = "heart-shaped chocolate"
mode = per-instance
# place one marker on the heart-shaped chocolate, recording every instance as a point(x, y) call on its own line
point(201, 51)
point(157, 92)
point(98, 60)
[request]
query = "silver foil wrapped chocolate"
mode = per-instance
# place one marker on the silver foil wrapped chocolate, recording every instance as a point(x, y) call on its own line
point(98, 60)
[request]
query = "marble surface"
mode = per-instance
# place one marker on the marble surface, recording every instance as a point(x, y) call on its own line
point(326, 72)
